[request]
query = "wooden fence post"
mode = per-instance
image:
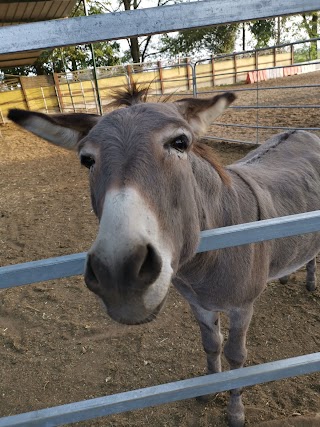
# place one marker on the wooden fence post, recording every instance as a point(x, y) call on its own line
point(23, 89)
point(292, 54)
point(274, 56)
point(189, 73)
point(58, 92)
point(161, 76)
point(212, 70)
point(235, 67)
point(256, 60)
point(129, 73)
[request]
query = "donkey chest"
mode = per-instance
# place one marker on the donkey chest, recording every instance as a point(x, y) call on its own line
point(228, 281)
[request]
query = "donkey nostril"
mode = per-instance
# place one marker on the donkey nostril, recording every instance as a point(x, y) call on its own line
point(89, 276)
point(151, 266)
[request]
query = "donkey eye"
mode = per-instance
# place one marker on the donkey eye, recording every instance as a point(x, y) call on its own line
point(180, 143)
point(87, 161)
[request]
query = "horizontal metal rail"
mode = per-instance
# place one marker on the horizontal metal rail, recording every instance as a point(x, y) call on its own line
point(165, 393)
point(247, 70)
point(141, 22)
point(261, 127)
point(260, 49)
point(273, 107)
point(271, 67)
point(235, 141)
point(259, 88)
point(256, 106)
point(235, 235)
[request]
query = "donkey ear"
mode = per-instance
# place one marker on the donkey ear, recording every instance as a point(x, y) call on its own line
point(64, 130)
point(200, 113)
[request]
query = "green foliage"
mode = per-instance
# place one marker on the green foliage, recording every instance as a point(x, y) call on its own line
point(263, 30)
point(310, 24)
point(216, 40)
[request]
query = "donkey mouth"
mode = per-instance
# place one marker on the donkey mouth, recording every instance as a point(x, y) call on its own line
point(132, 319)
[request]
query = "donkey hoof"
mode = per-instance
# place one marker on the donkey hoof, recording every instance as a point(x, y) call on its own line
point(311, 286)
point(235, 410)
point(236, 420)
point(284, 280)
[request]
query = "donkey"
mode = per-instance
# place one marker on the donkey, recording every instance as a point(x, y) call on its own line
point(154, 186)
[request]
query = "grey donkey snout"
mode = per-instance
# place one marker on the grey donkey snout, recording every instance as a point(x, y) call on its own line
point(135, 271)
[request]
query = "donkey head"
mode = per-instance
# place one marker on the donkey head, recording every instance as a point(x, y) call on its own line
point(142, 191)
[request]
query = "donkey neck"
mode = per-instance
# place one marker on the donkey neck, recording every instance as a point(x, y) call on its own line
point(221, 204)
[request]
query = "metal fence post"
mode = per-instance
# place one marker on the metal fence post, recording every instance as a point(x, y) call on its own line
point(189, 75)
point(194, 78)
point(95, 77)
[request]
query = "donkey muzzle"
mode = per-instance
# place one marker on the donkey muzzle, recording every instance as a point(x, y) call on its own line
point(123, 285)
point(134, 272)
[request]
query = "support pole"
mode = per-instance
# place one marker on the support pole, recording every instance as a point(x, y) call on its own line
point(160, 77)
point(58, 92)
point(94, 65)
point(292, 54)
point(129, 75)
point(25, 95)
point(212, 70)
point(235, 68)
point(189, 73)
point(194, 79)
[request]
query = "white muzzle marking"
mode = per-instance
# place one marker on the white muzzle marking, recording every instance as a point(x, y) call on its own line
point(126, 222)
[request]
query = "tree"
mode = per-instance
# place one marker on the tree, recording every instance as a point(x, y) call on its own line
point(216, 40)
point(263, 30)
point(138, 46)
point(72, 58)
point(310, 24)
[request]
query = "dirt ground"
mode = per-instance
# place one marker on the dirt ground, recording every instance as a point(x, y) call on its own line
point(58, 345)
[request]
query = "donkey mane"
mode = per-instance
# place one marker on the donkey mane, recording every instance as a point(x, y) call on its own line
point(134, 94)
point(205, 152)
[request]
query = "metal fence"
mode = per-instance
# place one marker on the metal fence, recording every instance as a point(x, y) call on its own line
point(77, 91)
point(165, 393)
point(264, 91)
point(70, 265)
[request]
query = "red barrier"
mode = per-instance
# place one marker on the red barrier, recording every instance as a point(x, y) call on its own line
point(256, 76)
point(291, 71)
point(263, 75)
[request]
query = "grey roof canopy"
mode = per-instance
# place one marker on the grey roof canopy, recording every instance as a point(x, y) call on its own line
point(13, 12)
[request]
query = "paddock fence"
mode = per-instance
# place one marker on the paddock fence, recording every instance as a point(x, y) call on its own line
point(76, 91)
point(66, 266)
point(261, 78)
point(283, 96)
point(120, 25)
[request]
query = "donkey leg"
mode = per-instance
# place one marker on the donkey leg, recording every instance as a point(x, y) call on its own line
point(236, 354)
point(212, 339)
point(311, 275)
